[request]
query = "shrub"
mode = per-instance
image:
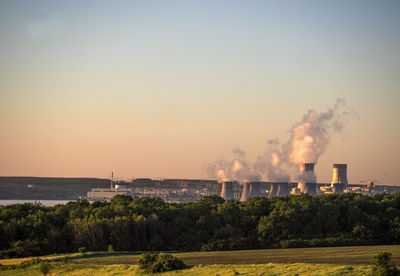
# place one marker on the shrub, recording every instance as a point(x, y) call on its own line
point(160, 262)
point(146, 260)
point(382, 264)
point(30, 262)
point(44, 268)
point(82, 249)
point(110, 248)
point(166, 262)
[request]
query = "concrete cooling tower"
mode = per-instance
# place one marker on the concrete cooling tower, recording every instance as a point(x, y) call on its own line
point(279, 189)
point(307, 179)
point(245, 191)
point(227, 190)
point(283, 189)
point(339, 178)
point(273, 190)
point(254, 190)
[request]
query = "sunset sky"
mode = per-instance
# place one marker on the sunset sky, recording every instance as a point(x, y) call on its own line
point(162, 88)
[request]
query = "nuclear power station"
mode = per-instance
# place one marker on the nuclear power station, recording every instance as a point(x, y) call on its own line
point(307, 184)
point(189, 190)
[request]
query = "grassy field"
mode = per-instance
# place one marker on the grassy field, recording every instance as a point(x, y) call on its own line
point(352, 255)
point(302, 261)
point(221, 270)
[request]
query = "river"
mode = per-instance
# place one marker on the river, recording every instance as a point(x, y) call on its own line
point(45, 202)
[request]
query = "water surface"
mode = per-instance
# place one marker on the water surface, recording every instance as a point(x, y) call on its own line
point(45, 202)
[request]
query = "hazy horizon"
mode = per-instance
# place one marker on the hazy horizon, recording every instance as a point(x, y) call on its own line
point(161, 89)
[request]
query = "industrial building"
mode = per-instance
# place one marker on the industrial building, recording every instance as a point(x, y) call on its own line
point(116, 188)
point(188, 190)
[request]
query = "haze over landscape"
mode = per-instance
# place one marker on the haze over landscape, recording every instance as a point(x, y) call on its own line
point(166, 88)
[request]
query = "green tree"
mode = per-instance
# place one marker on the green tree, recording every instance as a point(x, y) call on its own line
point(155, 263)
point(382, 265)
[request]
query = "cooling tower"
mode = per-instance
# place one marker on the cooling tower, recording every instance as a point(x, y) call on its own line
point(227, 190)
point(283, 189)
point(306, 167)
point(254, 190)
point(273, 190)
point(245, 191)
point(307, 183)
point(339, 178)
point(279, 189)
point(311, 189)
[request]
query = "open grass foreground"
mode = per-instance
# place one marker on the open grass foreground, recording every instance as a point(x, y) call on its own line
point(302, 261)
point(260, 269)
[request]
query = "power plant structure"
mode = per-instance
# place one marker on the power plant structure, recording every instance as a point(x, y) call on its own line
point(339, 178)
point(249, 190)
point(245, 191)
point(278, 189)
point(190, 190)
point(273, 190)
point(116, 188)
point(227, 190)
point(308, 180)
point(254, 190)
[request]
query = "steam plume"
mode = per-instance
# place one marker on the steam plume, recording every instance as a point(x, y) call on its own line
point(271, 163)
point(236, 169)
point(310, 137)
point(308, 141)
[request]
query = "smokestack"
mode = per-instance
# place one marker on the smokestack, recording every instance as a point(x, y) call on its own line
point(112, 179)
point(245, 191)
point(339, 178)
point(227, 190)
point(254, 190)
point(307, 179)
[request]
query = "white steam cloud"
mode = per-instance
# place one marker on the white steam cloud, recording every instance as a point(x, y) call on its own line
point(311, 136)
point(308, 140)
point(271, 164)
point(236, 169)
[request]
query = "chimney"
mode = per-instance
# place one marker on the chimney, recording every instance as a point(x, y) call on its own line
point(307, 183)
point(339, 178)
point(227, 190)
point(254, 189)
point(245, 191)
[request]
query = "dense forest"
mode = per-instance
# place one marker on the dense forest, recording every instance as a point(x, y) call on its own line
point(131, 224)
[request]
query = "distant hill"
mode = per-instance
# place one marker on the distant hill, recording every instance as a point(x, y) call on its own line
point(48, 187)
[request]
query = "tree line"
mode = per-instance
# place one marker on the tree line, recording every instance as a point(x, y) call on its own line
point(148, 224)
